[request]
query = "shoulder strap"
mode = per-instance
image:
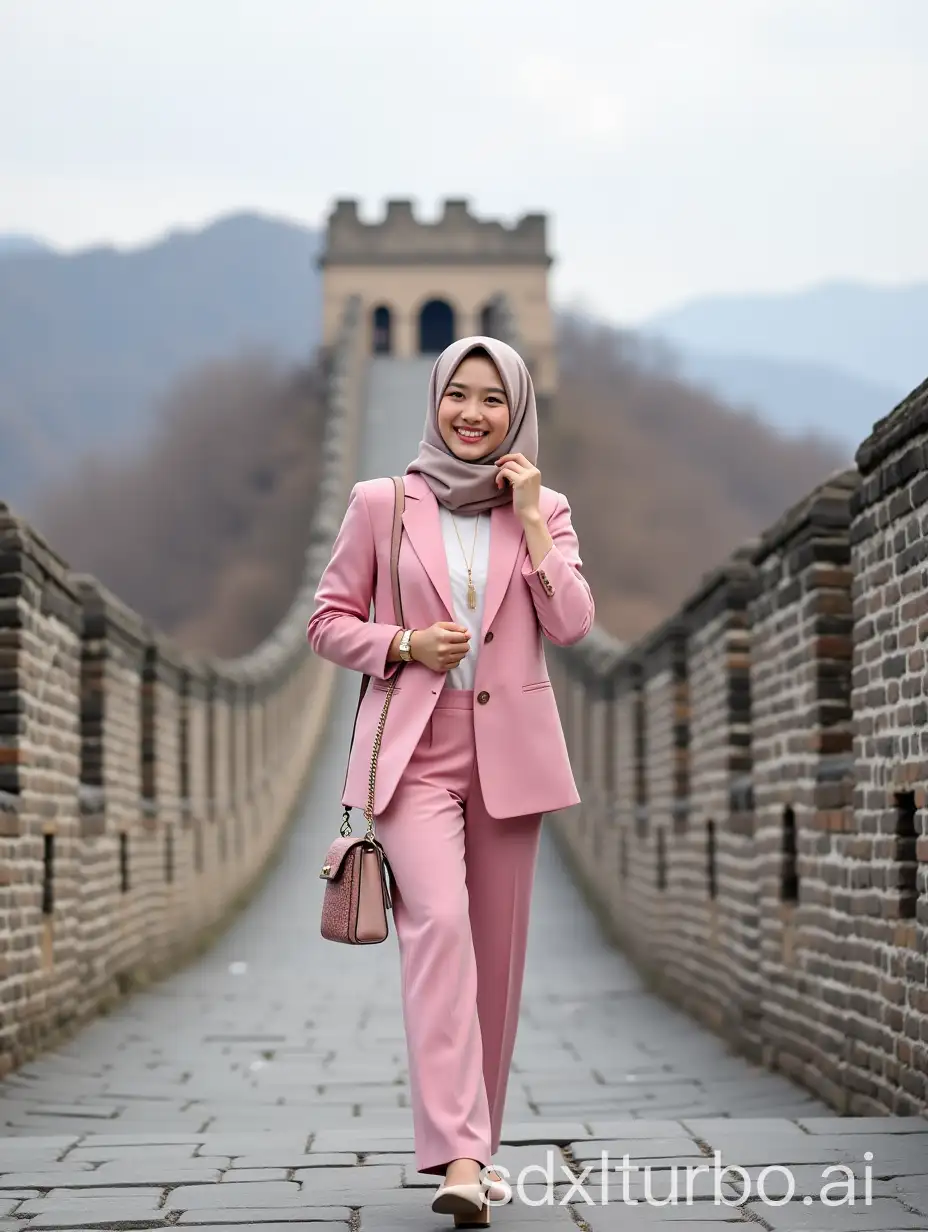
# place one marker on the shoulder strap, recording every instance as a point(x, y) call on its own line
point(399, 504)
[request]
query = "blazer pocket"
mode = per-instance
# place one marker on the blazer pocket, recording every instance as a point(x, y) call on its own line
point(536, 686)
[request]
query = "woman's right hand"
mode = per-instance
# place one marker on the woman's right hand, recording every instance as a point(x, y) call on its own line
point(441, 646)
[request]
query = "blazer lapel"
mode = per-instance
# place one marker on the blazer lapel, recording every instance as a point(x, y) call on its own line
point(506, 537)
point(423, 526)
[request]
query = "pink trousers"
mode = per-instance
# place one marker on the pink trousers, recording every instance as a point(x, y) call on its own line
point(461, 912)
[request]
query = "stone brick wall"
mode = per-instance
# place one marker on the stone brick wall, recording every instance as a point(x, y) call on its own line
point(142, 790)
point(755, 785)
point(884, 892)
point(801, 648)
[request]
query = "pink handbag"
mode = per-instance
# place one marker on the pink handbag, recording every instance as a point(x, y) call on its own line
point(356, 872)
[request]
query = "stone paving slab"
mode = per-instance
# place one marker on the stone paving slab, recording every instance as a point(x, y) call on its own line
point(862, 1125)
point(378, 1176)
point(880, 1215)
point(255, 1193)
point(636, 1148)
point(153, 1192)
point(236, 1175)
point(58, 1219)
point(638, 1219)
point(268, 1221)
point(322, 1160)
point(184, 1156)
point(630, 1129)
point(267, 1085)
point(112, 1206)
point(38, 1164)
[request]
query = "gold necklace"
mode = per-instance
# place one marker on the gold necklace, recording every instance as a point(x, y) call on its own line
point(471, 589)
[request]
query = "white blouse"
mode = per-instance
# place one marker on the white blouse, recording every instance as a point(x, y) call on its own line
point(462, 676)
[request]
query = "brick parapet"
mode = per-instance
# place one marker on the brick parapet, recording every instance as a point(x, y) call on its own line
point(883, 902)
point(41, 622)
point(774, 734)
point(128, 768)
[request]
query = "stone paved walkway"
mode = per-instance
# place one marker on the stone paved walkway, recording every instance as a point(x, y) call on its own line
point(266, 1084)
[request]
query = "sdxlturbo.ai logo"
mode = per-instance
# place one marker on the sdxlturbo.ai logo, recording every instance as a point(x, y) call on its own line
point(662, 1186)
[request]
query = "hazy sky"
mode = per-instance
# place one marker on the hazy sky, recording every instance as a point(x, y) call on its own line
point(680, 147)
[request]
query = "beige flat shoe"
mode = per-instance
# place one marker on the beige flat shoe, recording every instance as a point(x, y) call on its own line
point(465, 1202)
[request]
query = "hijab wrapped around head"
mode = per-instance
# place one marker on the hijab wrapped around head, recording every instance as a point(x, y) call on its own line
point(470, 487)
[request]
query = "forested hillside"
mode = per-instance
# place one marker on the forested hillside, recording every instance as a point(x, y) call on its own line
point(204, 532)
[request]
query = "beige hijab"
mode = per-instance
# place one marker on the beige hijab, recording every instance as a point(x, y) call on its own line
point(470, 487)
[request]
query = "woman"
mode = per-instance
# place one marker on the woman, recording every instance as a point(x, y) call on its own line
point(473, 751)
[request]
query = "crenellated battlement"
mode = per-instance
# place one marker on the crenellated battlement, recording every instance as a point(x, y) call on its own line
point(456, 237)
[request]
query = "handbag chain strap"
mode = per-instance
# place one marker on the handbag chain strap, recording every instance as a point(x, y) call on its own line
point(398, 504)
point(378, 737)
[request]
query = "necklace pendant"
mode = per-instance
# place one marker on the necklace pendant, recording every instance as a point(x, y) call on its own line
point(471, 596)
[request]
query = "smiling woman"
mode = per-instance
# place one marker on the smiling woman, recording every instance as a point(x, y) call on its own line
point(472, 752)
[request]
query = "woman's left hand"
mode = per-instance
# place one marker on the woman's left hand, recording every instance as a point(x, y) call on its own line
point(526, 484)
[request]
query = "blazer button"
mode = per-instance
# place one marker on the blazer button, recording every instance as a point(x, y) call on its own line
point(483, 697)
point(489, 637)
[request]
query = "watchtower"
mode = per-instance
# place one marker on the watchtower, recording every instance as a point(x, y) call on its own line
point(422, 285)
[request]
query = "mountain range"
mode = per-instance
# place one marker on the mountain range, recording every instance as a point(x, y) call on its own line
point(795, 396)
point(13, 243)
point(878, 334)
point(90, 342)
point(833, 358)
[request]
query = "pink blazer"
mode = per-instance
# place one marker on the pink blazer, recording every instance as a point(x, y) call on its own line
point(521, 753)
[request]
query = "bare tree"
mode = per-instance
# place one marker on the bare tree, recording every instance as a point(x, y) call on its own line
point(664, 480)
point(203, 531)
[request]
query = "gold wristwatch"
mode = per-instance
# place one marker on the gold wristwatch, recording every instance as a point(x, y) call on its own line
point(403, 648)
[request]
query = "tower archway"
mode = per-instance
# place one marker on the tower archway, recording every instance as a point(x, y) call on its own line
point(382, 330)
point(487, 321)
point(436, 326)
